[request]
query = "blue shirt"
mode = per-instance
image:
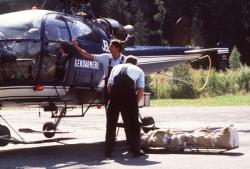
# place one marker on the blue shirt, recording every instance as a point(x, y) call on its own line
point(133, 71)
point(104, 59)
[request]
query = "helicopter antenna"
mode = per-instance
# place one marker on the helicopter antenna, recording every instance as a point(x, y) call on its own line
point(44, 2)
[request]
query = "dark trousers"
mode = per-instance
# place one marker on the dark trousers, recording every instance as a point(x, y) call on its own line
point(123, 101)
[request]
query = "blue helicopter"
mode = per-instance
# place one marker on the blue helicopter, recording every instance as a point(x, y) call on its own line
point(39, 66)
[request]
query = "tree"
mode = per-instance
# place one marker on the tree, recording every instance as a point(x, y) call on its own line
point(98, 7)
point(159, 17)
point(234, 59)
point(117, 9)
point(140, 27)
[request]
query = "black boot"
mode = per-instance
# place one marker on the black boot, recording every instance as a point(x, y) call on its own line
point(138, 153)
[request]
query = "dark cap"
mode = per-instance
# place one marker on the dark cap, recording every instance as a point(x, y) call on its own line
point(148, 122)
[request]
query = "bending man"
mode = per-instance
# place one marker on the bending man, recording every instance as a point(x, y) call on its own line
point(124, 80)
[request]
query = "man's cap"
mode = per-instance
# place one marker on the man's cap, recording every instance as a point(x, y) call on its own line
point(148, 122)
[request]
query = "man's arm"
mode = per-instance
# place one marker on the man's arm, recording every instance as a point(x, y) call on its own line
point(140, 93)
point(109, 88)
point(82, 52)
point(110, 80)
point(140, 84)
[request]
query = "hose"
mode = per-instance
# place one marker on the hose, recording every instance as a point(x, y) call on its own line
point(208, 73)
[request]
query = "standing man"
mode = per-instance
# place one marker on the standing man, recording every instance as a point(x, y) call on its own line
point(124, 81)
point(109, 60)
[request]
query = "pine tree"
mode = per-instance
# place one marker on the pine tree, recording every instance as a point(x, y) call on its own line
point(159, 17)
point(117, 9)
point(141, 32)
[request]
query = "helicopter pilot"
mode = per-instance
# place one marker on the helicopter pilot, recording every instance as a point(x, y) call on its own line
point(62, 61)
point(55, 62)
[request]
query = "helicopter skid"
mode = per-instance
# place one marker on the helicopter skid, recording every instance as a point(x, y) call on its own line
point(27, 130)
point(14, 140)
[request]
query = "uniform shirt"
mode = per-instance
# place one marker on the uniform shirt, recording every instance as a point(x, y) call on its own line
point(104, 59)
point(133, 71)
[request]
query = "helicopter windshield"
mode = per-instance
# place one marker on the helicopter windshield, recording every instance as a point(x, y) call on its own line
point(22, 25)
point(56, 28)
point(19, 51)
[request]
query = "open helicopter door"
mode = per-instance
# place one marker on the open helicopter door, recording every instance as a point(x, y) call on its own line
point(85, 76)
point(55, 56)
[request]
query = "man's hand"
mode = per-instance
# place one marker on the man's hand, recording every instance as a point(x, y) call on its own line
point(140, 94)
point(82, 52)
point(75, 44)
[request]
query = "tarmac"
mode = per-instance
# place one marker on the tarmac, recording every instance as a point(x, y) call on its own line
point(83, 146)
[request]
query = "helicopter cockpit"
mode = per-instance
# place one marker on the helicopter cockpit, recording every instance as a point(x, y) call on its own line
point(21, 36)
point(40, 43)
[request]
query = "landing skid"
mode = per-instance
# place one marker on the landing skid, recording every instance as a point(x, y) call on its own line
point(27, 130)
point(49, 130)
point(14, 140)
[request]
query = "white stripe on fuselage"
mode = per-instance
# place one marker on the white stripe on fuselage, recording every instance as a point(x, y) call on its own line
point(28, 91)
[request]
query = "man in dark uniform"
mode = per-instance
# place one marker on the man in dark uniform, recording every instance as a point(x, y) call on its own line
point(123, 82)
point(109, 60)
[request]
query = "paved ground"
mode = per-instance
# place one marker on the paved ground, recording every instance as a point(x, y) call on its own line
point(85, 151)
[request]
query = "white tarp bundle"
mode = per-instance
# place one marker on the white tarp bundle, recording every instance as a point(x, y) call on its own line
point(226, 138)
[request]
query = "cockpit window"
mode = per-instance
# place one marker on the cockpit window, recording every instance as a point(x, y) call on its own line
point(19, 56)
point(56, 29)
point(80, 30)
point(19, 61)
point(21, 25)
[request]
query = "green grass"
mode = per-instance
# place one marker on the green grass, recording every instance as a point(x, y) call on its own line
point(213, 101)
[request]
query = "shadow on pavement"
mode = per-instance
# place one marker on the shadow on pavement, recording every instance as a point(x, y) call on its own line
point(194, 152)
point(72, 156)
point(244, 131)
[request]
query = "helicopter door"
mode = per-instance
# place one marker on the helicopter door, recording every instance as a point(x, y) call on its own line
point(56, 52)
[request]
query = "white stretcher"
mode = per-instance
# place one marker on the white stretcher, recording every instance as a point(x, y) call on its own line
point(222, 139)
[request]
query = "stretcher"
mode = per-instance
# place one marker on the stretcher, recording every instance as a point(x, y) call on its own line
point(199, 140)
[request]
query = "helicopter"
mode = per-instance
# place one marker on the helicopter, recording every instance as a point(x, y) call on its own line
point(39, 66)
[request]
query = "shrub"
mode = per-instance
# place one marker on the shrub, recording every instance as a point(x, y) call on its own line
point(231, 81)
point(234, 59)
point(160, 86)
point(222, 83)
point(148, 85)
point(181, 84)
point(243, 79)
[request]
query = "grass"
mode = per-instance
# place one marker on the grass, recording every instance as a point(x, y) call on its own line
point(229, 100)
